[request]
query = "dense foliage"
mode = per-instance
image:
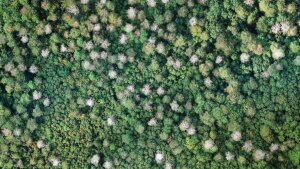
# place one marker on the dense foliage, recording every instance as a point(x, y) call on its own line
point(180, 84)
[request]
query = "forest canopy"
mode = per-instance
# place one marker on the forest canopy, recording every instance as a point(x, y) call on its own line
point(150, 84)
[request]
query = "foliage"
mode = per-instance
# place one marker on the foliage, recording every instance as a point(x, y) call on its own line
point(149, 84)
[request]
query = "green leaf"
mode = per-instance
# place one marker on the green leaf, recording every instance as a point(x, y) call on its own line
point(76, 55)
point(92, 76)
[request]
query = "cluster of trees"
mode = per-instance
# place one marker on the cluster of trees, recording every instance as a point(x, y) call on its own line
point(149, 84)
